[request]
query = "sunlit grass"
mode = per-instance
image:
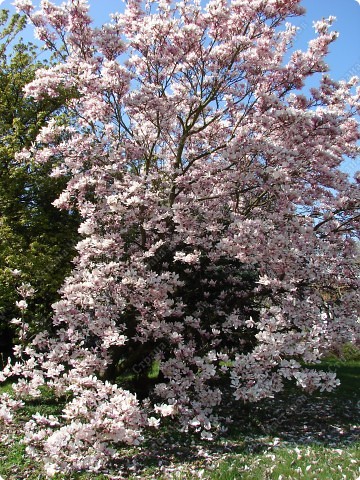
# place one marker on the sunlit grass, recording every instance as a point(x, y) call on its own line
point(311, 462)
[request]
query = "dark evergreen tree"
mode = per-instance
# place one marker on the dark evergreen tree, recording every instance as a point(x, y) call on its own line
point(36, 239)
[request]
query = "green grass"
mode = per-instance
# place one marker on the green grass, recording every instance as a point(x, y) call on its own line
point(312, 462)
point(294, 436)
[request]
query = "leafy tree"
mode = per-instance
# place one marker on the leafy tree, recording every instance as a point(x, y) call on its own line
point(219, 232)
point(36, 239)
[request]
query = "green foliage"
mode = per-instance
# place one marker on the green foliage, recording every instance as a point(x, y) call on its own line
point(349, 353)
point(35, 237)
point(9, 29)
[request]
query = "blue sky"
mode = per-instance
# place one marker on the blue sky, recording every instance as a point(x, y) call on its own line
point(344, 56)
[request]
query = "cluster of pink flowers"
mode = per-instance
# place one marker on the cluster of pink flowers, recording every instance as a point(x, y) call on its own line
point(100, 415)
point(216, 221)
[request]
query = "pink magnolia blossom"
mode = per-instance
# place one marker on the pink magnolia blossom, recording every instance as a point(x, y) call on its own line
point(22, 304)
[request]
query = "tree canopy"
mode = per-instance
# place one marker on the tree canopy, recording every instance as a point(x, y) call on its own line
point(219, 234)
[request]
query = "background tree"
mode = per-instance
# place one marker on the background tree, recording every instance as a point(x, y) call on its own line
point(36, 239)
point(219, 232)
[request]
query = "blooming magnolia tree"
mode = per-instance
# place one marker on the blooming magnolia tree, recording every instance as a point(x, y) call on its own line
point(219, 235)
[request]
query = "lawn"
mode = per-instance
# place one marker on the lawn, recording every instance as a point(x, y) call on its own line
point(293, 436)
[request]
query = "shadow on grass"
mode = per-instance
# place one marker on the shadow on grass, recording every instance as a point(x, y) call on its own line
point(292, 418)
point(329, 418)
